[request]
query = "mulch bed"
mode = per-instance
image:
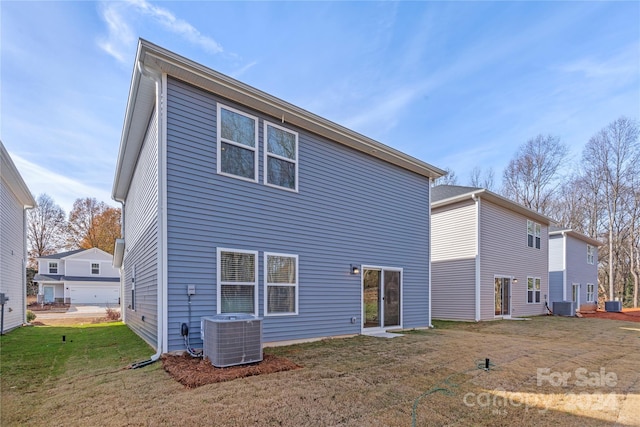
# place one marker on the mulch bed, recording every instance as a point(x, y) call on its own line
point(194, 372)
point(627, 314)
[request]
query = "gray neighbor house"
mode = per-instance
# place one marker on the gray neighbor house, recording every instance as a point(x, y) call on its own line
point(236, 201)
point(573, 267)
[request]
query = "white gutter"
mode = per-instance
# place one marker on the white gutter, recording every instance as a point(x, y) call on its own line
point(564, 266)
point(476, 199)
point(430, 249)
point(157, 78)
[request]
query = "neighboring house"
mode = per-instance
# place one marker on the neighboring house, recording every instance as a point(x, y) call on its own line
point(83, 276)
point(15, 199)
point(489, 256)
point(236, 201)
point(573, 267)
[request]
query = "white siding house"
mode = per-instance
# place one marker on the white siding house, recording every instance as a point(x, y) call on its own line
point(82, 276)
point(15, 198)
point(489, 256)
point(573, 267)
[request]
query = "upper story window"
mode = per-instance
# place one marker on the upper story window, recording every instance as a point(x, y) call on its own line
point(95, 268)
point(237, 281)
point(280, 157)
point(237, 144)
point(534, 233)
point(53, 268)
point(281, 284)
point(590, 254)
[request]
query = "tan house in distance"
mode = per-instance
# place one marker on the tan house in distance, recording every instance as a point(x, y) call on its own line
point(490, 256)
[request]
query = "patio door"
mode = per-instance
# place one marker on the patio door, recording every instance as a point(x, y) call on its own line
point(502, 296)
point(381, 291)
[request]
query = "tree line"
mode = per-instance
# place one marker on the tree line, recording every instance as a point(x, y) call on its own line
point(89, 224)
point(596, 194)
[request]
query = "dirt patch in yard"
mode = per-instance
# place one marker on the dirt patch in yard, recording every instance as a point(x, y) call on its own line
point(194, 372)
point(627, 314)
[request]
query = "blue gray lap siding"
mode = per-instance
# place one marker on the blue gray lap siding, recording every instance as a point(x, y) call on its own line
point(350, 209)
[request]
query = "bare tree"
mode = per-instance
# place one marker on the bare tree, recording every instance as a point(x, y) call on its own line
point(93, 224)
point(449, 178)
point(532, 176)
point(482, 180)
point(612, 156)
point(46, 228)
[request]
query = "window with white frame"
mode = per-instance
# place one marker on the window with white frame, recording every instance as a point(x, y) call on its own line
point(534, 233)
point(281, 284)
point(133, 288)
point(237, 281)
point(95, 268)
point(237, 144)
point(590, 254)
point(53, 268)
point(280, 157)
point(590, 292)
point(533, 290)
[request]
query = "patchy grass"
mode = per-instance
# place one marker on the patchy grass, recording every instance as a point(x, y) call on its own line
point(426, 378)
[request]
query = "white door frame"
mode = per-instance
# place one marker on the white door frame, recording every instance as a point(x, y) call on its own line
point(380, 328)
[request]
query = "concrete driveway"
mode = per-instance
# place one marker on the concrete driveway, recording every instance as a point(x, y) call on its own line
point(78, 310)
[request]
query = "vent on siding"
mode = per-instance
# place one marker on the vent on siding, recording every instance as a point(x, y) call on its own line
point(232, 339)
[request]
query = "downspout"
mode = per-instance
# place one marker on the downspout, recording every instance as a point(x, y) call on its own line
point(430, 245)
point(160, 345)
point(564, 266)
point(123, 312)
point(476, 199)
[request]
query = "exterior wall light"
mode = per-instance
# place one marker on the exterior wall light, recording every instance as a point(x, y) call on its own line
point(515, 281)
point(355, 269)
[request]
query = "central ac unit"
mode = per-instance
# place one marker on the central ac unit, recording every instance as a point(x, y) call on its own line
point(232, 339)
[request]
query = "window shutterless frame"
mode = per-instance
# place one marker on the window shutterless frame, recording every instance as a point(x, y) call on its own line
point(53, 268)
point(280, 157)
point(281, 285)
point(227, 278)
point(237, 144)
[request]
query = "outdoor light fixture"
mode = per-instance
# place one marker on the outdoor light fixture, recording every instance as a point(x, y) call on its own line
point(355, 269)
point(515, 281)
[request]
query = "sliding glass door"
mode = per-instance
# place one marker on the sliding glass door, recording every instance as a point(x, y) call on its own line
point(381, 291)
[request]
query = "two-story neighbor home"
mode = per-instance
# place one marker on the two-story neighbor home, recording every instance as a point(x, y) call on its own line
point(573, 267)
point(489, 256)
point(15, 199)
point(236, 201)
point(82, 276)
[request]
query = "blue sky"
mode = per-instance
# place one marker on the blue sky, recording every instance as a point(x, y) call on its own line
point(456, 84)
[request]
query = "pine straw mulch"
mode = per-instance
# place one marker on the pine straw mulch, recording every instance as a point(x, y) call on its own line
point(194, 372)
point(627, 314)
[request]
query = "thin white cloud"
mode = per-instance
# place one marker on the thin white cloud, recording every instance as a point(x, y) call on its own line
point(121, 39)
point(62, 189)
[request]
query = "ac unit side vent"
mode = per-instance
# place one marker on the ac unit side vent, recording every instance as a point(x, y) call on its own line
point(232, 339)
point(563, 308)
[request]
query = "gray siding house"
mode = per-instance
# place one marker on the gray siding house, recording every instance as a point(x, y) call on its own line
point(15, 199)
point(573, 267)
point(489, 256)
point(236, 201)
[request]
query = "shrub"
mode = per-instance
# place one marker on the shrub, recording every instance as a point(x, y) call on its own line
point(31, 316)
point(113, 314)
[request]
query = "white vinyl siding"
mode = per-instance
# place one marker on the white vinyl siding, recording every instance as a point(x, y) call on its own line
point(237, 144)
point(237, 281)
point(281, 284)
point(533, 290)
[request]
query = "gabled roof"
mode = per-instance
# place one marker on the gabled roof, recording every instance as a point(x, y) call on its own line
point(63, 254)
point(555, 231)
point(10, 174)
point(152, 59)
point(443, 195)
